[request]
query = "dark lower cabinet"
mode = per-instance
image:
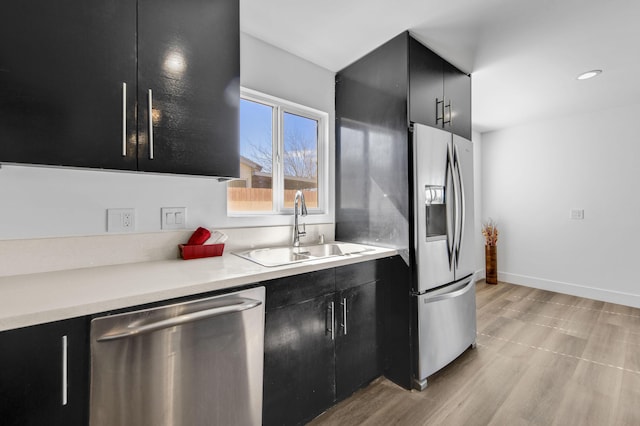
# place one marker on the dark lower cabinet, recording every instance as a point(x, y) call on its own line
point(358, 359)
point(34, 370)
point(323, 335)
point(299, 380)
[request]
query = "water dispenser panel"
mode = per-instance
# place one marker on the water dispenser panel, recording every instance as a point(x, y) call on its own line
point(436, 212)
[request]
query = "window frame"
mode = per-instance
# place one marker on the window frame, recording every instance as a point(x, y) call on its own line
point(280, 107)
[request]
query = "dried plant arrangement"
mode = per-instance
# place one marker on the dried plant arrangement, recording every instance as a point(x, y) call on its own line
point(490, 233)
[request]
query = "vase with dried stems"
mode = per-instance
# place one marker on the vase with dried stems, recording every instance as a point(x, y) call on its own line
point(490, 233)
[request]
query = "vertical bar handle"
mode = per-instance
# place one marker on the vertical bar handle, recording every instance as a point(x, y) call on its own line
point(331, 328)
point(450, 115)
point(124, 119)
point(65, 370)
point(438, 116)
point(344, 315)
point(150, 99)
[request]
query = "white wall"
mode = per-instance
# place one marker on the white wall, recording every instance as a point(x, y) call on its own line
point(46, 202)
point(477, 203)
point(533, 175)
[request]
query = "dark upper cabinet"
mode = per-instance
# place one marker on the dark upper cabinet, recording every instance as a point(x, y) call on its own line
point(457, 95)
point(75, 80)
point(62, 65)
point(35, 370)
point(439, 93)
point(189, 60)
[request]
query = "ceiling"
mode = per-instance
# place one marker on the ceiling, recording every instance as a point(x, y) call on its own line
point(524, 55)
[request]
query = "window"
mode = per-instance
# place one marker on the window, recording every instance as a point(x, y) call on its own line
point(282, 151)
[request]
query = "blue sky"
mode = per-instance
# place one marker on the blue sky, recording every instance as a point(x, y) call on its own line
point(255, 129)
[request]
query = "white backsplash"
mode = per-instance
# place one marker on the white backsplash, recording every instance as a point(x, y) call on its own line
point(54, 254)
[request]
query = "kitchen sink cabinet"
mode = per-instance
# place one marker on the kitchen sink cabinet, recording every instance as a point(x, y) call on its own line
point(299, 365)
point(34, 372)
point(299, 380)
point(439, 93)
point(358, 358)
point(322, 340)
point(147, 86)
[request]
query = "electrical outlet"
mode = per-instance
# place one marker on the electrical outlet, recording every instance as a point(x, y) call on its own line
point(174, 217)
point(121, 220)
point(577, 214)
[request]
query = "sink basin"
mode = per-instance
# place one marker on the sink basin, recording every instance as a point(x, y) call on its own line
point(278, 256)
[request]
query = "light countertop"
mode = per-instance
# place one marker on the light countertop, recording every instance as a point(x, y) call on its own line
point(51, 296)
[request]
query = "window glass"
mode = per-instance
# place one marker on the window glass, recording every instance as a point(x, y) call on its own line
point(253, 192)
point(282, 150)
point(300, 159)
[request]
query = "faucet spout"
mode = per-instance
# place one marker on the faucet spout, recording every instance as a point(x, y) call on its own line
point(298, 211)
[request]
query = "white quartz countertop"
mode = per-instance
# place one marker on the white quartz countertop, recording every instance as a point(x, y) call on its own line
point(51, 296)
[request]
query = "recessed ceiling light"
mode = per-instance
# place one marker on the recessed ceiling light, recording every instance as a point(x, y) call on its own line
point(589, 74)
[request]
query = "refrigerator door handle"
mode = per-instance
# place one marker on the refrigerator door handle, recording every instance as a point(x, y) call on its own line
point(460, 203)
point(451, 196)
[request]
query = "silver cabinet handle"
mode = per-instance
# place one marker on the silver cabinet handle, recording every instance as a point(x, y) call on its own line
point(235, 305)
point(443, 108)
point(344, 315)
point(332, 315)
point(65, 370)
point(150, 99)
point(124, 119)
point(438, 116)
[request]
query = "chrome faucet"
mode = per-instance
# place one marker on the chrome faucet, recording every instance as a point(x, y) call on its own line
point(297, 233)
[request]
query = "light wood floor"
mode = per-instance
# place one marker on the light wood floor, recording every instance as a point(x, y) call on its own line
point(542, 358)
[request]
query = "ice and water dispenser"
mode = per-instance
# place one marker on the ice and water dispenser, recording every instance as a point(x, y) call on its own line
point(436, 212)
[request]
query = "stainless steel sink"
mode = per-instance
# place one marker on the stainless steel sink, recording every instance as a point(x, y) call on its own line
point(277, 256)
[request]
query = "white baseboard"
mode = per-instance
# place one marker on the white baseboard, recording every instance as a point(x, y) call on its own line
point(610, 296)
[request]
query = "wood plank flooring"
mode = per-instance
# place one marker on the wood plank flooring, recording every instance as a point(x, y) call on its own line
point(542, 358)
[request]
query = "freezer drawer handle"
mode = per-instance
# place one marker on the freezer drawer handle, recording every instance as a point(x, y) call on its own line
point(451, 295)
point(237, 305)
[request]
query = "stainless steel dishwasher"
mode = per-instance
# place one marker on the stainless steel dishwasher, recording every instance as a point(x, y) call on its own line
point(190, 364)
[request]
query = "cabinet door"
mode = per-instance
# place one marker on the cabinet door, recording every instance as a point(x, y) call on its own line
point(457, 91)
point(62, 67)
point(189, 58)
point(425, 85)
point(299, 381)
point(358, 359)
point(32, 379)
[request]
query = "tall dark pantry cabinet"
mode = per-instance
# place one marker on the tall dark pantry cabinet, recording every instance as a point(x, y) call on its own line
point(378, 98)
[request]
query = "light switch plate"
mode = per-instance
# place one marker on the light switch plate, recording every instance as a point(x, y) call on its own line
point(174, 217)
point(577, 214)
point(121, 220)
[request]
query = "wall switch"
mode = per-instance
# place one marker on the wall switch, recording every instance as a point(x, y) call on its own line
point(577, 214)
point(174, 217)
point(121, 220)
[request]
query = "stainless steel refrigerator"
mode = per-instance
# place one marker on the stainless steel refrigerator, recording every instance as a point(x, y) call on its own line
point(444, 248)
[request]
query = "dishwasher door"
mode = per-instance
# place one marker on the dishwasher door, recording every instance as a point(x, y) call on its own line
point(195, 363)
